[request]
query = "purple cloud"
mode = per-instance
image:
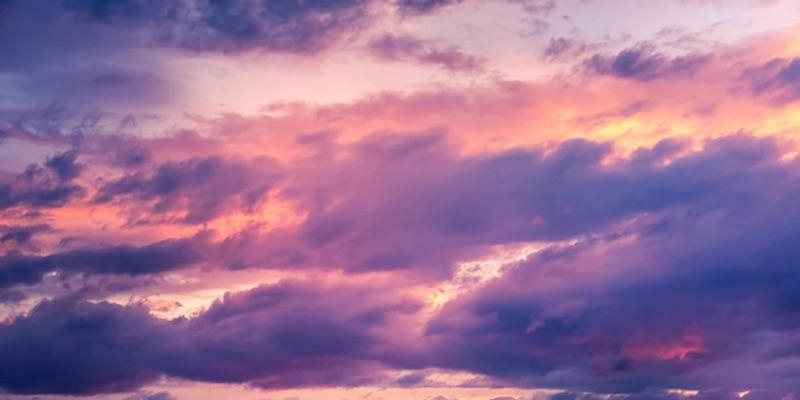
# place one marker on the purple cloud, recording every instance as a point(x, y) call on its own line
point(22, 234)
point(679, 274)
point(197, 189)
point(49, 185)
point(69, 346)
point(417, 7)
point(561, 48)
point(285, 26)
point(679, 299)
point(408, 48)
point(778, 79)
point(286, 335)
point(421, 207)
point(18, 269)
point(644, 64)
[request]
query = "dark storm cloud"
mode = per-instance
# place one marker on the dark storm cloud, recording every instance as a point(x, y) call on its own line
point(643, 63)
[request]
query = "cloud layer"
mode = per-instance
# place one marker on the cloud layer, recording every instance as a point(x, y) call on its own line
point(518, 199)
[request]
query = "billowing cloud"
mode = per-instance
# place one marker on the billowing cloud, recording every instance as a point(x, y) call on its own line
point(74, 347)
point(408, 199)
point(692, 235)
point(103, 347)
point(421, 206)
point(677, 299)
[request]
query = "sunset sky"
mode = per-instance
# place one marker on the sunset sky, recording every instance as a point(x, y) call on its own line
point(400, 199)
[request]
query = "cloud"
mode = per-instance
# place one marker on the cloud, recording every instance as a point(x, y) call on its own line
point(284, 26)
point(664, 269)
point(11, 296)
point(280, 26)
point(166, 255)
point(286, 335)
point(197, 189)
point(152, 396)
point(644, 64)
point(561, 48)
point(22, 234)
point(676, 272)
point(410, 49)
point(71, 347)
point(420, 208)
point(64, 165)
point(55, 64)
point(49, 185)
point(126, 68)
point(778, 80)
point(104, 10)
point(676, 299)
point(423, 208)
point(416, 7)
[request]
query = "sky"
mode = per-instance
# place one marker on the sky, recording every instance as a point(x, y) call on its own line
point(399, 199)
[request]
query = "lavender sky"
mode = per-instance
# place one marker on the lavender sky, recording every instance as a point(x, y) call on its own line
point(400, 199)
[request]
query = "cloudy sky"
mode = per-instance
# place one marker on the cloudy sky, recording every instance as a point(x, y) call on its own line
point(400, 199)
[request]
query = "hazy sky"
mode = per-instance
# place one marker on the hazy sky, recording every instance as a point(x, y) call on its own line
point(399, 200)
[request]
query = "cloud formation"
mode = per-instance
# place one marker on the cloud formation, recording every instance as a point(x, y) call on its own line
point(705, 238)
point(200, 189)
point(778, 80)
point(643, 63)
point(408, 48)
point(408, 199)
point(103, 347)
point(48, 185)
